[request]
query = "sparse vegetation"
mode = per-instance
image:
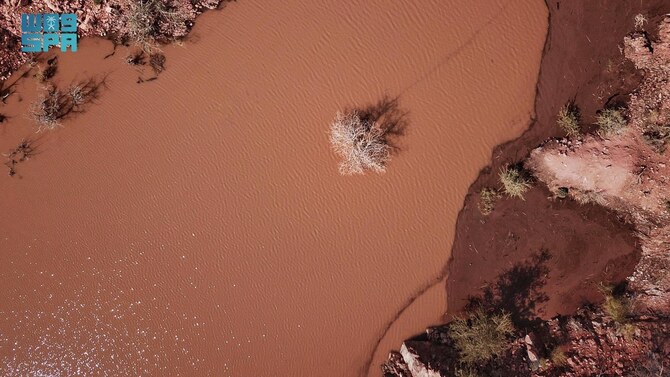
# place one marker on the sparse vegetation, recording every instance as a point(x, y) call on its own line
point(151, 21)
point(481, 336)
point(24, 151)
point(568, 120)
point(610, 122)
point(361, 144)
point(487, 200)
point(514, 181)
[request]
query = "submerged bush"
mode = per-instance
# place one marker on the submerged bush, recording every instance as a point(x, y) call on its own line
point(610, 122)
point(513, 181)
point(568, 120)
point(49, 108)
point(55, 104)
point(487, 200)
point(481, 336)
point(361, 144)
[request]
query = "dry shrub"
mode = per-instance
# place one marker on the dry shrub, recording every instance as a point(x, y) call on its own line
point(568, 120)
point(50, 107)
point(55, 104)
point(152, 21)
point(514, 181)
point(366, 137)
point(361, 144)
point(640, 20)
point(135, 58)
point(481, 336)
point(487, 200)
point(157, 62)
point(610, 122)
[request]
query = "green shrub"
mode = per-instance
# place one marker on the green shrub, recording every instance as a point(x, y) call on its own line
point(481, 336)
point(513, 181)
point(487, 200)
point(610, 122)
point(568, 120)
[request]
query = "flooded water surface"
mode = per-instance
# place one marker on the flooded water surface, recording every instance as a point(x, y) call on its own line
point(197, 225)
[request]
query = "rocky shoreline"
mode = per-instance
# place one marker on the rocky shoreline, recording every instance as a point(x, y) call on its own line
point(597, 302)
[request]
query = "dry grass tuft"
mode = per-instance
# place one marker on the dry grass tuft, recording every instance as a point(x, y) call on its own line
point(610, 122)
point(361, 144)
point(568, 120)
point(558, 356)
point(481, 336)
point(615, 307)
point(513, 181)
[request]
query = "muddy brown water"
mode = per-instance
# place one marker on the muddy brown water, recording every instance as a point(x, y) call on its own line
point(197, 225)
